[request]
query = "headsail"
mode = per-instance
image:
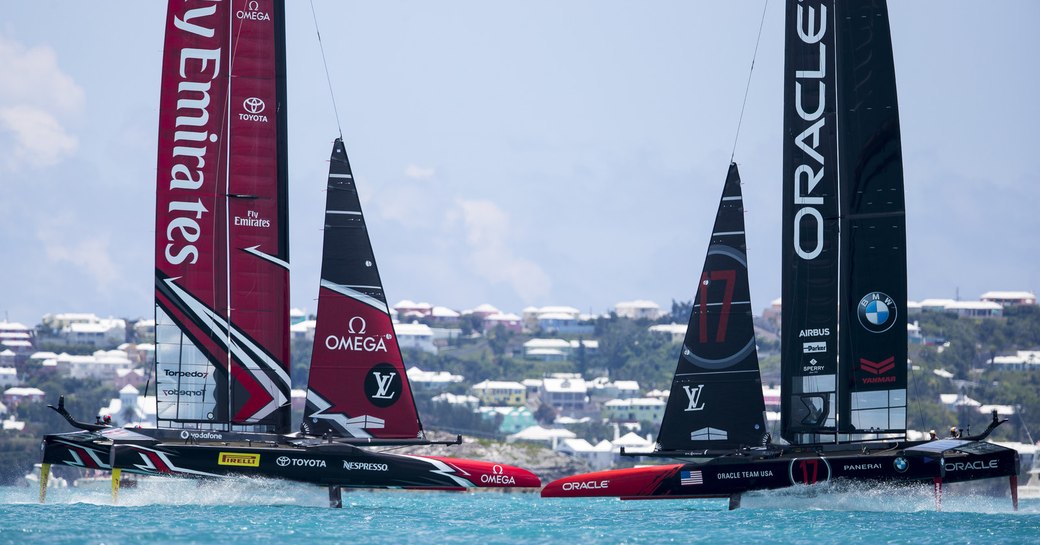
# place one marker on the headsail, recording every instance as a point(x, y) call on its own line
point(357, 385)
point(844, 251)
point(716, 396)
point(221, 291)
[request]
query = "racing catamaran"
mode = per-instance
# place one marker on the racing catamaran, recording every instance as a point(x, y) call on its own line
point(222, 297)
point(844, 343)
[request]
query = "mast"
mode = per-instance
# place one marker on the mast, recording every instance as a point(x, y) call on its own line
point(716, 395)
point(221, 246)
point(809, 296)
point(357, 386)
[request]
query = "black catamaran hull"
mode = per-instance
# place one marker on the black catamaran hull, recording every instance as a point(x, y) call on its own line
point(744, 471)
point(263, 455)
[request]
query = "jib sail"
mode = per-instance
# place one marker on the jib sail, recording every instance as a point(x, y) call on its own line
point(718, 363)
point(357, 385)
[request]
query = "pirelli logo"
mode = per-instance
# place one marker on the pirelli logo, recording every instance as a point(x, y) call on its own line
point(239, 459)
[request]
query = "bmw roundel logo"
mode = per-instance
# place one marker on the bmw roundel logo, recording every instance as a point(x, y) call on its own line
point(900, 464)
point(282, 461)
point(877, 312)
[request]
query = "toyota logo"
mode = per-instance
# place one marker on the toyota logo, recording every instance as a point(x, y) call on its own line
point(253, 105)
point(282, 461)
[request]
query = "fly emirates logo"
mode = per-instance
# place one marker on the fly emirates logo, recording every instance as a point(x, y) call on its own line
point(193, 141)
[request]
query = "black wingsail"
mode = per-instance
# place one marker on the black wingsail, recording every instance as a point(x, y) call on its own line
point(844, 255)
point(809, 293)
point(872, 329)
point(716, 397)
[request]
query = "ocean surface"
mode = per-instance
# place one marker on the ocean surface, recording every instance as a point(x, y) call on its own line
point(252, 511)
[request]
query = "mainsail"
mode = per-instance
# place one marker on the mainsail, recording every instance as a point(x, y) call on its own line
point(357, 385)
point(719, 360)
point(221, 288)
point(844, 253)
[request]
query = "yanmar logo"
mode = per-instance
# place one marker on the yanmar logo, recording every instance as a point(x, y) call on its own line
point(586, 485)
point(244, 459)
point(358, 340)
point(878, 368)
point(965, 466)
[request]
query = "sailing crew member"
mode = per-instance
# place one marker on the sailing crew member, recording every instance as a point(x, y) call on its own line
point(953, 432)
point(931, 435)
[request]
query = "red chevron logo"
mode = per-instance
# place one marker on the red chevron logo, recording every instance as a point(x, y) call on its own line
point(877, 367)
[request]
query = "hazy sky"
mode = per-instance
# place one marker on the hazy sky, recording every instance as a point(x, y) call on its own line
point(514, 153)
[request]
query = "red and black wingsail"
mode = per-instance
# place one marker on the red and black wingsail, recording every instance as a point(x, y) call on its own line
point(357, 385)
point(221, 294)
point(719, 358)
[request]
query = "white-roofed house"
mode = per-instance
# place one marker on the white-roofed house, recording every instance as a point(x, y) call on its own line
point(431, 380)
point(303, 331)
point(538, 434)
point(17, 395)
point(640, 409)
point(103, 364)
point(508, 321)
point(547, 349)
point(638, 310)
point(7, 357)
point(131, 408)
point(976, 309)
point(297, 315)
point(8, 377)
point(514, 419)
point(105, 332)
point(500, 392)
point(677, 332)
point(1021, 361)
point(599, 456)
point(563, 321)
point(415, 336)
point(1009, 298)
point(460, 400)
point(564, 392)
point(483, 311)
point(144, 330)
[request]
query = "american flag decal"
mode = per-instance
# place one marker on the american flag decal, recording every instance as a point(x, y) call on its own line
point(687, 478)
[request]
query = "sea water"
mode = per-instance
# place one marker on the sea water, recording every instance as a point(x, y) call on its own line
point(262, 511)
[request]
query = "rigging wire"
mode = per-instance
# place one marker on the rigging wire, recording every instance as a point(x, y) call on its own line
point(324, 63)
point(747, 88)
